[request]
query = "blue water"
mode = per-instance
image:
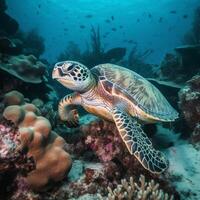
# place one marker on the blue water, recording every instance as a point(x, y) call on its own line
point(148, 23)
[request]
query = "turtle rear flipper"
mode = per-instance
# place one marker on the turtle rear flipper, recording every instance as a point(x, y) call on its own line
point(138, 143)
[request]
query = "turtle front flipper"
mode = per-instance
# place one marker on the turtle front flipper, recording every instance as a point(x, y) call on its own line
point(138, 143)
point(67, 109)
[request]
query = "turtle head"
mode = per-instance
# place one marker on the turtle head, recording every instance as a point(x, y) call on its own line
point(73, 75)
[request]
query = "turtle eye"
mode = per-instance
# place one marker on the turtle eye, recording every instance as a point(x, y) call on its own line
point(67, 68)
point(70, 67)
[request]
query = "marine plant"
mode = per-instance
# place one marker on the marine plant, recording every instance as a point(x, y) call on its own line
point(136, 62)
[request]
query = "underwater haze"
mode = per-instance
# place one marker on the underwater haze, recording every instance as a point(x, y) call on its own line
point(99, 100)
point(150, 24)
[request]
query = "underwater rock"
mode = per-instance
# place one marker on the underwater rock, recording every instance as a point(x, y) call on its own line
point(193, 36)
point(26, 68)
point(181, 66)
point(115, 54)
point(33, 43)
point(8, 25)
point(189, 56)
point(184, 174)
point(3, 6)
point(189, 103)
point(25, 74)
point(11, 47)
point(44, 145)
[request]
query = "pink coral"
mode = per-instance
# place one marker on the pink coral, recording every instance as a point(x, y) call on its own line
point(11, 158)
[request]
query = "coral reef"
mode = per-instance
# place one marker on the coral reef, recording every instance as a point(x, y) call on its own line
point(26, 74)
point(131, 190)
point(10, 156)
point(10, 46)
point(98, 141)
point(43, 144)
point(26, 68)
point(33, 43)
point(177, 67)
point(14, 163)
point(189, 103)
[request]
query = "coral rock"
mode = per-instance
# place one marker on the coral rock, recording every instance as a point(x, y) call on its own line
point(189, 103)
point(26, 68)
point(44, 145)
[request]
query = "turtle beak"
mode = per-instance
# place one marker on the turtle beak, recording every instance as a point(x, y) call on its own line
point(55, 73)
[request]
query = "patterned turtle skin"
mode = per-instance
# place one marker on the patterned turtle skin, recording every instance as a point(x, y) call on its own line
point(119, 95)
point(133, 88)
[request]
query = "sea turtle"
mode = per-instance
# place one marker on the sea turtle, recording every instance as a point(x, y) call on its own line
point(118, 95)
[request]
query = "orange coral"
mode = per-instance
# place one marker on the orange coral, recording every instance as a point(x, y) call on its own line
point(46, 147)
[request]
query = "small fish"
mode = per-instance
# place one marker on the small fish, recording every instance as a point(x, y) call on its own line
point(149, 15)
point(160, 19)
point(114, 29)
point(185, 16)
point(37, 12)
point(88, 16)
point(138, 20)
point(39, 5)
point(65, 29)
point(112, 17)
point(107, 21)
point(130, 41)
point(82, 26)
point(120, 26)
point(173, 12)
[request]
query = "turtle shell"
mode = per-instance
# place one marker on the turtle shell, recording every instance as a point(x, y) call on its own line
point(123, 82)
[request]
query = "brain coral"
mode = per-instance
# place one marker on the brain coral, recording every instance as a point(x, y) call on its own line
point(35, 134)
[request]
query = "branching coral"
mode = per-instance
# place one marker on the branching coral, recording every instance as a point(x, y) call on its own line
point(44, 145)
point(131, 190)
